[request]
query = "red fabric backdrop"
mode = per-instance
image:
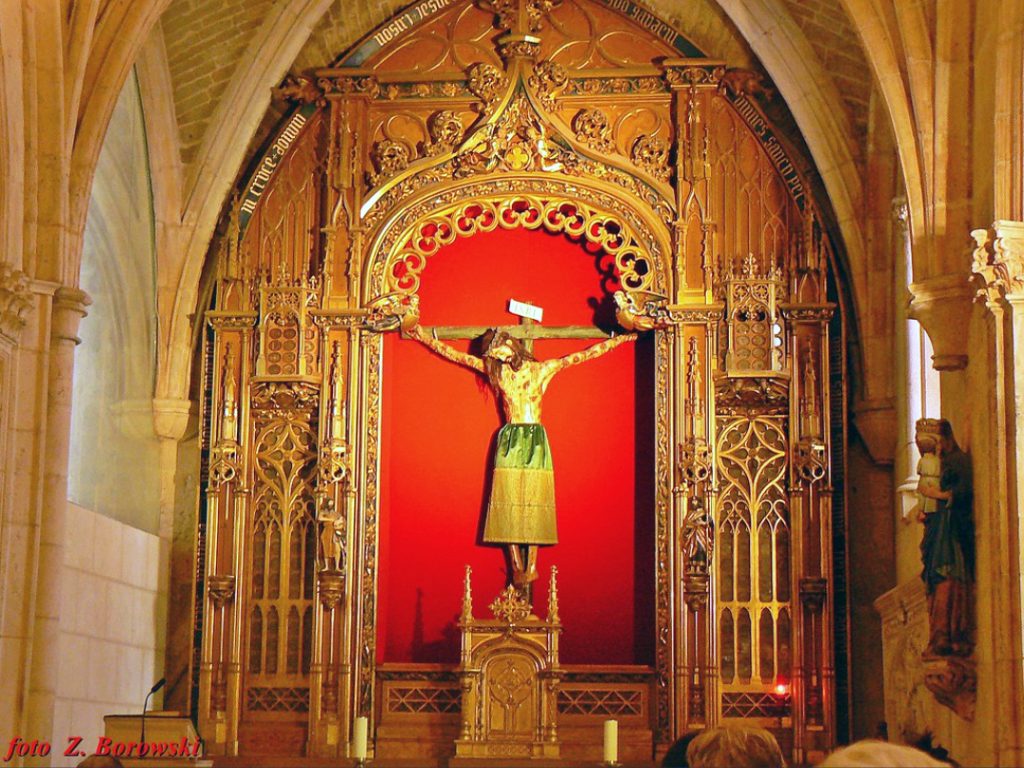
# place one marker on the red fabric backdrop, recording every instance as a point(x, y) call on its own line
point(438, 428)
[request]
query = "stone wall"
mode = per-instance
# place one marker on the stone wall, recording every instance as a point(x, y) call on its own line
point(112, 625)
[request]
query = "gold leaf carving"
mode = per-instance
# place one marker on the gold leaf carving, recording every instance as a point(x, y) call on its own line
point(510, 606)
point(445, 130)
point(650, 154)
point(390, 158)
point(593, 129)
point(487, 83)
point(549, 78)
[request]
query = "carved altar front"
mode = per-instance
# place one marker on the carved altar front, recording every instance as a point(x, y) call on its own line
point(572, 119)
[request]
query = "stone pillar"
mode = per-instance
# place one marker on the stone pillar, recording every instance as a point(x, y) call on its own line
point(69, 307)
point(999, 262)
point(16, 302)
point(171, 419)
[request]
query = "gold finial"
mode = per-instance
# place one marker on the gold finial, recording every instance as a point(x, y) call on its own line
point(467, 597)
point(553, 617)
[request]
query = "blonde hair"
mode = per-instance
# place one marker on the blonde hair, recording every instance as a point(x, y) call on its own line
point(871, 753)
point(736, 746)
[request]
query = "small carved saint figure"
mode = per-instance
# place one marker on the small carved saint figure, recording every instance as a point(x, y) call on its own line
point(332, 528)
point(947, 548)
point(521, 509)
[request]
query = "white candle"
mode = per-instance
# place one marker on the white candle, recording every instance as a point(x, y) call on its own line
point(611, 741)
point(359, 738)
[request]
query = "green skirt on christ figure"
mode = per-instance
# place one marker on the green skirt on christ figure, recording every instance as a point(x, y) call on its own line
point(521, 509)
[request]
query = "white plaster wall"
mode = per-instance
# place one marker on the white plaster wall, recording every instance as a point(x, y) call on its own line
point(112, 625)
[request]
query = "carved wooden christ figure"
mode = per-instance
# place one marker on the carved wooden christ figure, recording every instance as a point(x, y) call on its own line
point(521, 509)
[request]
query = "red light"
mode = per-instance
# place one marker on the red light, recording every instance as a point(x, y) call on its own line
point(782, 689)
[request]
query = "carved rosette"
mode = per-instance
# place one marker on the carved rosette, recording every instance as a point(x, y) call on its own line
point(15, 301)
point(487, 83)
point(548, 80)
point(650, 154)
point(445, 129)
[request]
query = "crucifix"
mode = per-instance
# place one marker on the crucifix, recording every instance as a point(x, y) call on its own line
point(521, 509)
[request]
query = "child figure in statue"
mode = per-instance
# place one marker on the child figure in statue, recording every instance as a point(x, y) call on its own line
point(929, 467)
point(521, 509)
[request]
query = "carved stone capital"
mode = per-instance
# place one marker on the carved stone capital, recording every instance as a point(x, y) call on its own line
point(999, 261)
point(69, 307)
point(15, 301)
point(943, 306)
point(171, 416)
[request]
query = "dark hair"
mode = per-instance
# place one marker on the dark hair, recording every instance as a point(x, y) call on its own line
point(946, 433)
point(494, 338)
point(676, 755)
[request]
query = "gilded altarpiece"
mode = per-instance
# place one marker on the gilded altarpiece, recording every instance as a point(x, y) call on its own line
point(600, 125)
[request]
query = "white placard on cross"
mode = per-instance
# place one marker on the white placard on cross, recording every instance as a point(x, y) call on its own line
point(523, 309)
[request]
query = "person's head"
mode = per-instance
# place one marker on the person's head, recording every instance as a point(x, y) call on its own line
point(735, 746)
point(500, 348)
point(101, 761)
point(676, 755)
point(871, 753)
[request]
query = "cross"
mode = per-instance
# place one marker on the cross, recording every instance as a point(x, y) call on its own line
point(527, 330)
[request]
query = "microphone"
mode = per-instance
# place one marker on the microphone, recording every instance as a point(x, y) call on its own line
point(159, 684)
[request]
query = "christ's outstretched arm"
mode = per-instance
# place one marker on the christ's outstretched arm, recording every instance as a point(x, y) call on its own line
point(445, 351)
point(560, 363)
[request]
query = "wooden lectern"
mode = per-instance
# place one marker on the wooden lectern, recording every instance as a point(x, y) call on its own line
point(170, 741)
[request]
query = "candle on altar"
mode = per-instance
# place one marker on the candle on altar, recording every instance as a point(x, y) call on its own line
point(359, 738)
point(611, 741)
